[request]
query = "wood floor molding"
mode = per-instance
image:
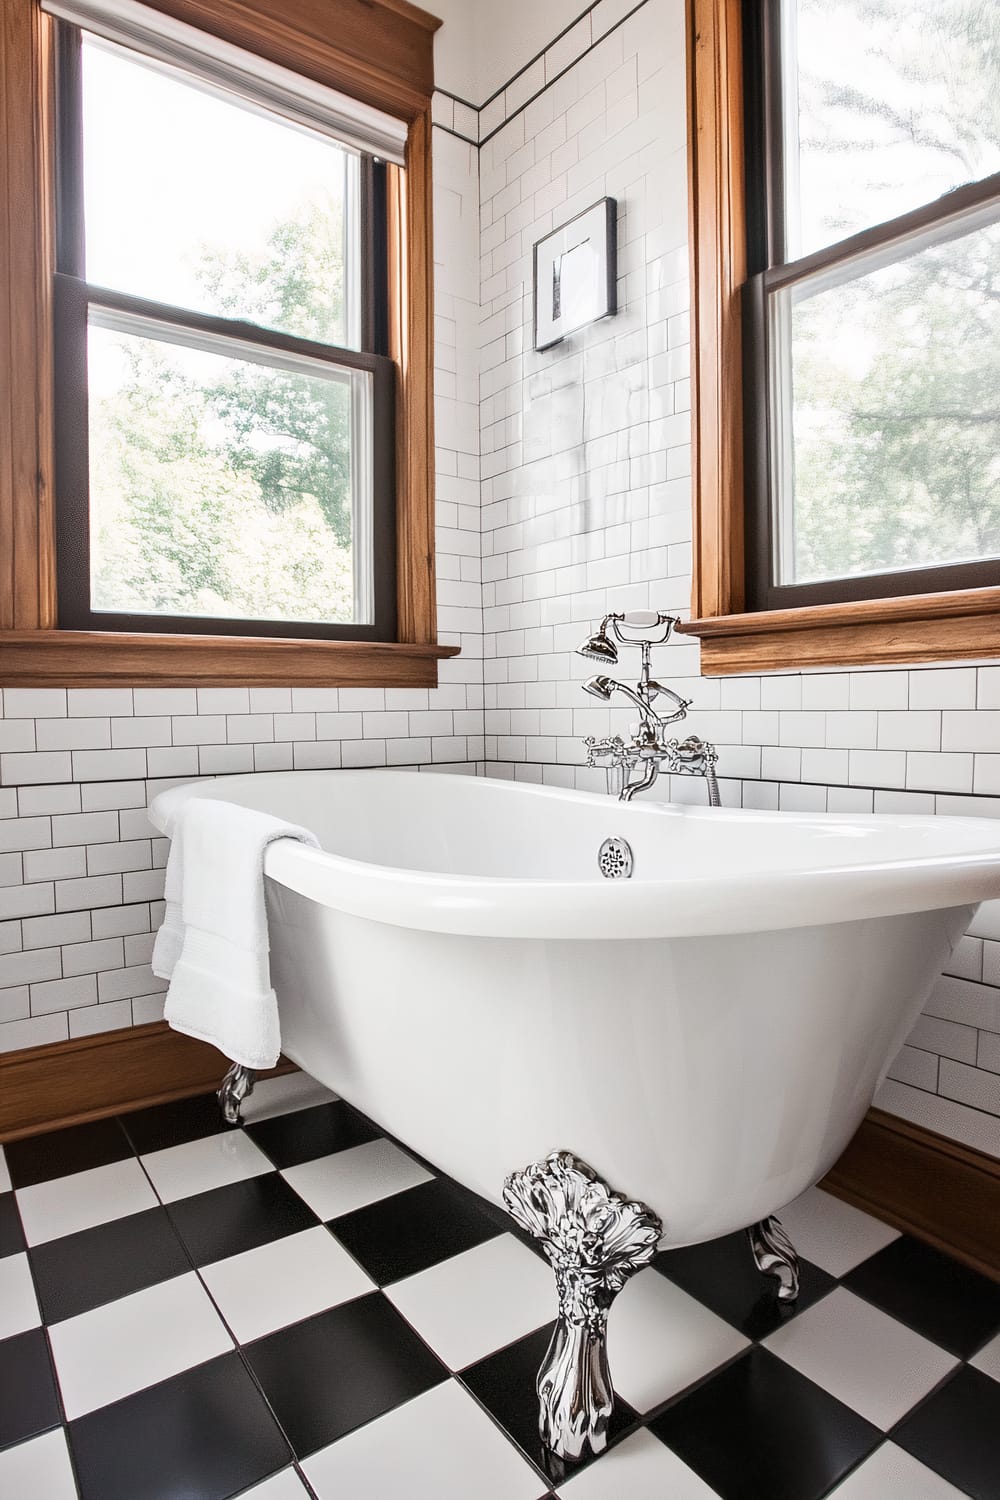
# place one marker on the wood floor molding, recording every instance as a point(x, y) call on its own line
point(923, 1183)
point(66, 1083)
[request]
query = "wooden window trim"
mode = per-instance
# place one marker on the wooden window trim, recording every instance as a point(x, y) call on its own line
point(945, 626)
point(381, 51)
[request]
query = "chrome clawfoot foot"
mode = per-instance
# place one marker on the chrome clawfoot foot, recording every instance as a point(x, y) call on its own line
point(236, 1086)
point(775, 1255)
point(595, 1239)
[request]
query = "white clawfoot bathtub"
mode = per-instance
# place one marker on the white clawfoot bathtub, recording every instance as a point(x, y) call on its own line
point(707, 1035)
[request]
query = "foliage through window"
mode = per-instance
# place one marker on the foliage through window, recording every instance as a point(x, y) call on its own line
point(224, 397)
point(873, 307)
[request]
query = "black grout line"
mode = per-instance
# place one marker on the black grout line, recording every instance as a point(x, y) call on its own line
point(845, 786)
point(478, 109)
point(457, 99)
point(550, 81)
point(548, 46)
point(436, 125)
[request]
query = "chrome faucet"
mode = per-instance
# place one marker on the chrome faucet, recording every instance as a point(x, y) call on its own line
point(648, 747)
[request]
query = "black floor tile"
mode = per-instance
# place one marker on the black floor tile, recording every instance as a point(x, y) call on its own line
point(28, 1401)
point(229, 1220)
point(204, 1435)
point(722, 1274)
point(332, 1373)
point(11, 1233)
point(956, 1432)
point(306, 1134)
point(760, 1429)
point(504, 1383)
point(174, 1124)
point(40, 1158)
point(945, 1301)
point(82, 1271)
point(409, 1231)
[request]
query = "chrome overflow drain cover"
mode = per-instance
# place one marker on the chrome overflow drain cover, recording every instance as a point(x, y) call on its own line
point(614, 859)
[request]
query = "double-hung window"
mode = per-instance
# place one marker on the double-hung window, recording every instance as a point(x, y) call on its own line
point(854, 259)
point(224, 398)
point(222, 432)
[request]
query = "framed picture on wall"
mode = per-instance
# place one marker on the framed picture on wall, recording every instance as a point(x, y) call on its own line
point(575, 274)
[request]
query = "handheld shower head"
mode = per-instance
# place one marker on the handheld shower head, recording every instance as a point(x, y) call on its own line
point(600, 687)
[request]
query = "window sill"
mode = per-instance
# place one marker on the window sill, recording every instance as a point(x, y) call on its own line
point(866, 632)
point(83, 658)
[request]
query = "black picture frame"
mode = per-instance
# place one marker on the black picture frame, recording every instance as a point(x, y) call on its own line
point(591, 238)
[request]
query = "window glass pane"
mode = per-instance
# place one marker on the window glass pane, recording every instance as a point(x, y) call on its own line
point(889, 456)
point(892, 103)
point(224, 487)
point(195, 199)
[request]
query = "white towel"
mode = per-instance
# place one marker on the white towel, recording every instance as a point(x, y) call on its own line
point(213, 945)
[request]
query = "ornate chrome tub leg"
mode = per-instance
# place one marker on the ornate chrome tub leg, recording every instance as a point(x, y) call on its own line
point(236, 1086)
point(595, 1240)
point(775, 1255)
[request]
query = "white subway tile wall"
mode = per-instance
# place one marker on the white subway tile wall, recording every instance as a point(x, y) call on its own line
point(586, 507)
point(563, 490)
point(81, 868)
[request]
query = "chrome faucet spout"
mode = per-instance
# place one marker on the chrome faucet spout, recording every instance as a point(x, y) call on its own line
point(650, 771)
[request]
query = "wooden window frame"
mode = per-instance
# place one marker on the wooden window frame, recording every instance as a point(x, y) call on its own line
point(379, 51)
point(946, 625)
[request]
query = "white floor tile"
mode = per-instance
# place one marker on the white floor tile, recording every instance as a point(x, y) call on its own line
point(988, 1358)
point(336, 1184)
point(857, 1352)
point(284, 1486)
point(891, 1474)
point(4, 1174)
point(125, 1346)
point(198, 1166)
point(283, 1282)
point(833, 1235)
point(660, 1341)
point(280, 1096)
point(39, 1469)
point(425, 1450)
point(478, 1301)
point(18, 1304)
point(640, 1468)
point(68, 1204)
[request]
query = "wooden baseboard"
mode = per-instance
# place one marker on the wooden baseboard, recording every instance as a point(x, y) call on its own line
point(66, 1083)
point(925, 1184)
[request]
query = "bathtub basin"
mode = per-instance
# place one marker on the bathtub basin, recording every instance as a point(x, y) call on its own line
point(707, 1034)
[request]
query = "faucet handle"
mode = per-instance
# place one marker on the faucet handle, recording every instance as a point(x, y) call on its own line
point(611, 751)
point(694, 752)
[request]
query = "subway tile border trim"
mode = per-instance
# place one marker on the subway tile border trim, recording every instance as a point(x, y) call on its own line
point(478, 125)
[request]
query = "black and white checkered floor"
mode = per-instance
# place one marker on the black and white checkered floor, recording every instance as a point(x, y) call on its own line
point(301, 1308)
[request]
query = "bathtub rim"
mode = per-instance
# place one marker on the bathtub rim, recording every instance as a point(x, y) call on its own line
point(598, 910)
